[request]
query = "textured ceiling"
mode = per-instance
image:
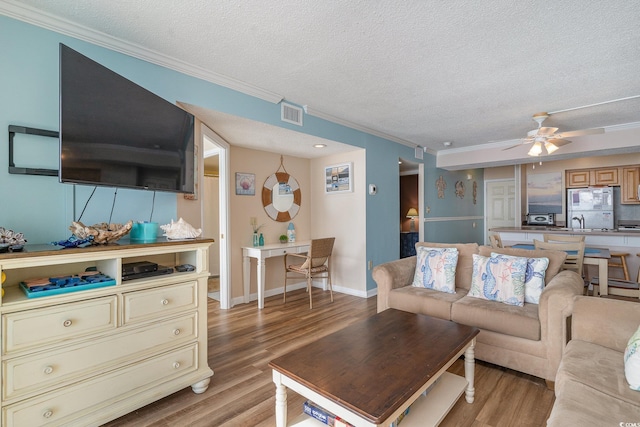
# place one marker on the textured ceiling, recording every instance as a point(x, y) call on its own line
point(425, 72)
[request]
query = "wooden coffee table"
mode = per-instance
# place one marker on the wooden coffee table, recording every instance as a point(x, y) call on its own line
point(370, 372)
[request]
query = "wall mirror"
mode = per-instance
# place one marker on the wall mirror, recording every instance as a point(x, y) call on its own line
point(281, 195)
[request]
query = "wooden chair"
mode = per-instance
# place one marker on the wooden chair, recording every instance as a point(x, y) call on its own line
point(316, 265)
point(575, 253)
point(619, 287)
point(496, 241)
point(562, 238)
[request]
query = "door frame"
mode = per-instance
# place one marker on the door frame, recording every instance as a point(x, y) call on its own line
point(223, 238)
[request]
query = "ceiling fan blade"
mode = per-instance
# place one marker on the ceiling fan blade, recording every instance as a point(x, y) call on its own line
point(571, 134)
point(513, 146)
point(559, 142)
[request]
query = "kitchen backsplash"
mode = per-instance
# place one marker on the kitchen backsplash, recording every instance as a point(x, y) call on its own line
point(624, 212)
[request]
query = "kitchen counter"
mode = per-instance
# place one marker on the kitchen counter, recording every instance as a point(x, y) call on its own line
point(562, 230)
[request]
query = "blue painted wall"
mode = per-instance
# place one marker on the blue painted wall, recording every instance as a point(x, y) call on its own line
point(43, 208)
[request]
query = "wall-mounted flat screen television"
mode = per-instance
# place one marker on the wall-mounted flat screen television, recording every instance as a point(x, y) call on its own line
point(118, 134)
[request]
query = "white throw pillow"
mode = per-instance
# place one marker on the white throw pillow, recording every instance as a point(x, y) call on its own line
point(436, 269)
point(632, 361)
point(533, 278)
point(499, 278)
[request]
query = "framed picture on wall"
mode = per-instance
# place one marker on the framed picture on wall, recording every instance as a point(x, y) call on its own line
point(245, 184)
point(338, 178)
point(544, 193)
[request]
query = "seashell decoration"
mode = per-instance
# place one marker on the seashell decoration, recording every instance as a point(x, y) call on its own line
point(180, 230)
point(102, 233)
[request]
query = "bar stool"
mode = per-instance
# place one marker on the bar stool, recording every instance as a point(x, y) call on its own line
point(621, 264)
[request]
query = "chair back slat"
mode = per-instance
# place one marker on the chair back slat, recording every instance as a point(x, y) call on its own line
point(562, 238)
point(574, 250)
point(496, 241)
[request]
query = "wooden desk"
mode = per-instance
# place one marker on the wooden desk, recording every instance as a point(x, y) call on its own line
point(371, 371)
point(592, 256)
point(261, 253)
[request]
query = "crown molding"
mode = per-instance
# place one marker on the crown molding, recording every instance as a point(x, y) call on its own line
point(48, 21)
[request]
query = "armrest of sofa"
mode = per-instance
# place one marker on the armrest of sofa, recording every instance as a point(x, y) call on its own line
point(555, 307)
point(392, 275)
point(606, 322)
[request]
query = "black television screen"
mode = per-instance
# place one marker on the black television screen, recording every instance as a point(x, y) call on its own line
point(118, 134)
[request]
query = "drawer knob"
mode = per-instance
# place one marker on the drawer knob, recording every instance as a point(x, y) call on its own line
point(47, 414)
point(176, 365)
point(66, 323)
point(176, 332)
point(165, 302)
point(47, 370)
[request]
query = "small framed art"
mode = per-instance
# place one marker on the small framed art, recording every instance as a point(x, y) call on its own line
point(338, 178)
point(245, 184)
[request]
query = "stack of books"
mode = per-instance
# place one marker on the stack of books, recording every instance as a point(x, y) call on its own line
point(331, 420)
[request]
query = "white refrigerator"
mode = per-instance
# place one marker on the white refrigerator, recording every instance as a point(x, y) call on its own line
point(595, 205)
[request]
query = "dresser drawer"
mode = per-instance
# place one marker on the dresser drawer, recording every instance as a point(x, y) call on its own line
point(34, 328)
point(66, 406)
point(153, 303)
point(28, 375)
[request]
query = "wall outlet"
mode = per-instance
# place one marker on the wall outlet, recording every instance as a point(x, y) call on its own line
point(370, 264)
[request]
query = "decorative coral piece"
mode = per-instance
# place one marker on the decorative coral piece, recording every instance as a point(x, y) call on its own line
point(11, 237)
point(102, 233)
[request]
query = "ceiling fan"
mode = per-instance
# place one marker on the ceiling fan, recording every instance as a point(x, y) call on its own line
point(547, 140)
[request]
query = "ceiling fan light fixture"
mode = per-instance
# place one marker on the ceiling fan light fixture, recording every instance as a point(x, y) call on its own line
point(536, 149)
point(550, 147)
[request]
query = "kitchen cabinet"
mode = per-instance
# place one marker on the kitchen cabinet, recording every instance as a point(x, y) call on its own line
point(585, 177)
point(86, 357)
point(578, 178)
point(629, 188)
point(607, 176)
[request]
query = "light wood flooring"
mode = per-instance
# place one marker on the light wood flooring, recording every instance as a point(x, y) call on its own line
point(243, 340)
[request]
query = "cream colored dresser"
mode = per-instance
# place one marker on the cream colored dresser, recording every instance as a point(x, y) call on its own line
point(86, 357)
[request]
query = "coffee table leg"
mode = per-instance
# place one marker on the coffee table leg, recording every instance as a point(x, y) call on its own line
point(469, 371)
point(281, 400)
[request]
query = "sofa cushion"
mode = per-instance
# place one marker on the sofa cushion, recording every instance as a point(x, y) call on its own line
point(586, 367)
point(436, 269)
point(465, 260)
point(590, 408)
point(632, 361)
point(507, 319)
point(424, 301)
point(556, 258)
point(499, 278)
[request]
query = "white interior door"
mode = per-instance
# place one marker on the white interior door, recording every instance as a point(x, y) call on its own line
point(500, 204)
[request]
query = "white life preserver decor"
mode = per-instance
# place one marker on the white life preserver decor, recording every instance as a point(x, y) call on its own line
point(288, 190)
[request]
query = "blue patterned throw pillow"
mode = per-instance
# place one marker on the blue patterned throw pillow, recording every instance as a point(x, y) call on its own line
point(632, 361)
point(533, 278)
point(436, 269)
point(499, 278)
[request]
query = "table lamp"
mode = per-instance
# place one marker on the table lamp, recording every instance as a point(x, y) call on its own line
point(413, 214)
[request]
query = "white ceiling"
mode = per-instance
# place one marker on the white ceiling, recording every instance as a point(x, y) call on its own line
point(421, 72)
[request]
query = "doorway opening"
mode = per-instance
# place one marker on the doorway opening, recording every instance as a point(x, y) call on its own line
point(215, 213)
point(411, 200)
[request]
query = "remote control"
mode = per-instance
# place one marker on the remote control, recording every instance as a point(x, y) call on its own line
point(185, 267)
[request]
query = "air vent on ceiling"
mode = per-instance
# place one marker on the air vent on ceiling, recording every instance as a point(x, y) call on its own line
point(291, 114)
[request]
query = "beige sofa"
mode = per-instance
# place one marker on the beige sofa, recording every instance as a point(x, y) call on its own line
point(591, 389)
point(529, 339)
